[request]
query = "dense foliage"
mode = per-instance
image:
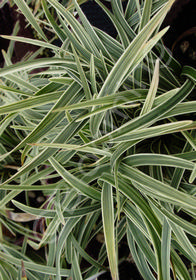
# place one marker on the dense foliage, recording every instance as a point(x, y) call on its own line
point(105, 129)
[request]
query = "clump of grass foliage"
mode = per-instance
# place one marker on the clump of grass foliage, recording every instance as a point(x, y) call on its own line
point(106, 132)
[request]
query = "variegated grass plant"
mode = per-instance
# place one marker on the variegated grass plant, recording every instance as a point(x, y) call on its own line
point(106, 131)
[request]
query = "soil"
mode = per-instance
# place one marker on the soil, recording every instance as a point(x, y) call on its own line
point(6, 27)
point(181, 37)
point(9, 16)
point(91, 9)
